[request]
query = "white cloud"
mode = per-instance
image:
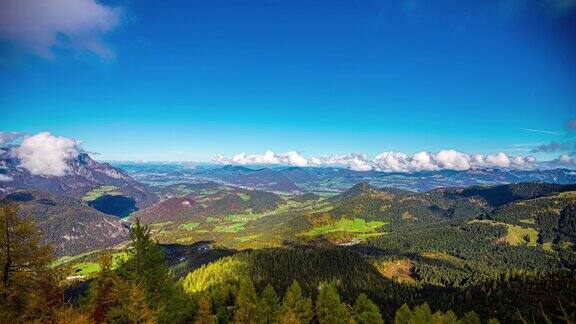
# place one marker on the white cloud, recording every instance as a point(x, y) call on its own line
point(452, 160)
point(8, 137)
point(40, 26)
point(392, 162)
point(293, 158)
point(269, 157)
point(566, 159)
point(45, 154)
point(356, 162)
point(4, 177)
point(389, 161)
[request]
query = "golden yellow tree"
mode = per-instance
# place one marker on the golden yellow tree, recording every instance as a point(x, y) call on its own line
point(28, 285)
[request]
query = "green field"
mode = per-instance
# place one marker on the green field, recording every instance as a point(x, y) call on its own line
point(246, 238)
point(518, 235)
point(357, 225)
point(90, 268)
point(100, 191)
point(230, 228)
point(190, 226)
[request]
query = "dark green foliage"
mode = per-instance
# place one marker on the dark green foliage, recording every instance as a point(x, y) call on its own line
point(112, 298)
point(261, 201)
point(145, 264)
point(268, 307)
point(295, 305)
point(423, 315)
point(497, 196)
point(475, 248)
point(222, 315)
point(547, 223)
point(145, 267)
point(365, 311)
point(567, 224)
point(329, 309)
point(246, 300)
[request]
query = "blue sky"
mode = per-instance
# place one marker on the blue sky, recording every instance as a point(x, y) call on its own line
point(184, 80)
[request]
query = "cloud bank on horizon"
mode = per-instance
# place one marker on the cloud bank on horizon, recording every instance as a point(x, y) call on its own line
point(390, 161)
point(447, 159)
point(42, 26)
point(48, 155)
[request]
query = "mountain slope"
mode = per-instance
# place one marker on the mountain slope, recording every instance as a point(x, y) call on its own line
point(84, 176)
point(198, 205)
point(71, 225)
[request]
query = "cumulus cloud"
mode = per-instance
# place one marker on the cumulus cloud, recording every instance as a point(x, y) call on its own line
point(391, 161)
point(41, 26)
point(356, 162)
point(565, 159)
point(5, 178)
point(45, 154)
point(9, 137)
point(269, 157)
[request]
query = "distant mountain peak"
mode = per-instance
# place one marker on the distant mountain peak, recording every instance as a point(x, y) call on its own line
point(83, 175)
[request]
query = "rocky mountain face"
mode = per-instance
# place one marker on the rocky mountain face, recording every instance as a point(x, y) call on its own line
point(84, 175)
point(69, 224)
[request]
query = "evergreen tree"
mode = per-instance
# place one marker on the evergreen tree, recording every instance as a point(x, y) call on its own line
point(146, 268)
point(295, 306)
point(28, 285)
point(104, 293)
point(366, 312)
point(132, 307)
point(403, 315)
point(222, 315)
point(268, 306)
point(145, 264)
point(422, 314)
point(245, 307)
point(470, 318)
point(204, 312)
point(329, 309)
point(448, 318)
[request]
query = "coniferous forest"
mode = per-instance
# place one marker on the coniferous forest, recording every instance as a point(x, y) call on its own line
point(287, 161)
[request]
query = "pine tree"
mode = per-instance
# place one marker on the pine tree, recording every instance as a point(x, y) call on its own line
point(422, 314)
point(222, 315)
point(448, 318)
point(295, 306)
point(470, 318)
point(329, 309)
point(28, 285)
point(146, 268)
point(245, 305)
point(403, 315)
point(366, 312)
point(268, 306)
point(132, 306)
point(145, 264)
point(204, 312)
point(104, 294)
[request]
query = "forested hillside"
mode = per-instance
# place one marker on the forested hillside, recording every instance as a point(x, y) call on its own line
point(69, 224)
point(231, 254)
